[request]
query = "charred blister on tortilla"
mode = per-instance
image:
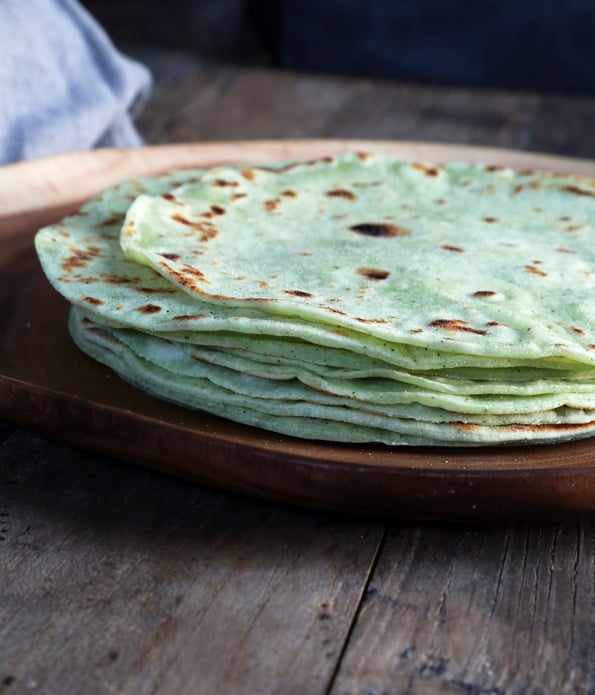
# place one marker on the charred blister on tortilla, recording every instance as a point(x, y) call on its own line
point(374, 274)
point(380, 229)
point(341, 193)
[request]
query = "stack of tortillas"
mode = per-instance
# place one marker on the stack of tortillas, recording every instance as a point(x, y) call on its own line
point(357, 298)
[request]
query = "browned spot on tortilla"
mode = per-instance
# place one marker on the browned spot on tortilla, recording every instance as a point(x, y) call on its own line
point(456, 249)
point(182, 279)
point(578, 330)
point(217, 210)
point(485, 293)
point(182, 220)
point(526, 172)
point(271, 205)
point(428, 171)
point(248, 174)
point(195, 272)
point(298, 293)
point(94, 301)
point(556, 427)
point(491, 219)
point(113, 279)
point(494, 323)
point(341, 193)
point(535, 271)
point(357, 318)
point(364, 156)
point(374, 273)
point(191, 317)
point(380, 229)
point(579, 191)
point(260, 300)
point(304, 253)
point(518, 188)
point(156, 290)
point(111, 221)
point(465, 426)
point(79, 257)
point(206, 229)
point(562, 249)
point(591, 346)
point(168, 196)
point(207, 233)
point(440, 201)
point(456, 325)
point(222, 183)
point(332, 309)
point(170, 256)
point(289, 194)
point(129, 228)
point(495, 167)
point(417, 330)
point(149, 309)
point(574, 227)
point(535, 185)
point(565, 218)
point(537, 209)
point(238, 196)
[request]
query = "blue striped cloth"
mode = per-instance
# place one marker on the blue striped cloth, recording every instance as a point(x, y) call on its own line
point(63, 84)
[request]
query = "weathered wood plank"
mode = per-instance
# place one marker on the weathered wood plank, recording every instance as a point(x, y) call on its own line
point(195, 101)
point(486, 610)
point(116, 579)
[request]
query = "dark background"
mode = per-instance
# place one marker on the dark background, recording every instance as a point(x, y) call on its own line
point(545, 45)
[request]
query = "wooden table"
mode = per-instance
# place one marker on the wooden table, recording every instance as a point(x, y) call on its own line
point(116, 579)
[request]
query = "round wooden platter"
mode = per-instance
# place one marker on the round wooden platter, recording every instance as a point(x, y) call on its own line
point(47, 384)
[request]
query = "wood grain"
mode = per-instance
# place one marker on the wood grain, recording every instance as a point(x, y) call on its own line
point(469, 610)
point(130, 582)
point(217, 103)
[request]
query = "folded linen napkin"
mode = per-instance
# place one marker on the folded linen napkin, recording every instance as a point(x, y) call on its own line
point(63, 84)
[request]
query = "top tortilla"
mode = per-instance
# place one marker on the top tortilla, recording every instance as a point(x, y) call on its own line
point(457, 258)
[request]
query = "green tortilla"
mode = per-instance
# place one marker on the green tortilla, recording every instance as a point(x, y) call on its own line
point(453, 258)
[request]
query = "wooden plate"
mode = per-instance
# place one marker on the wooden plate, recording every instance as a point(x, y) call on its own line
point(47, 384)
